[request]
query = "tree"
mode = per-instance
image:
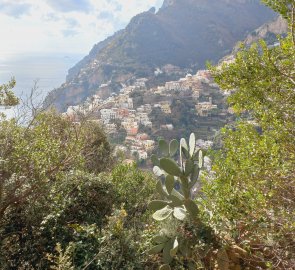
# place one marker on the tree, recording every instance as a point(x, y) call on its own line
point(252, 195)
point(34, 156)
point(7, 98)
point(49, 182)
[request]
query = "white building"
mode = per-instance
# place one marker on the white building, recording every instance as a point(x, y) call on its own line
point(142, 155)
point(108, 114)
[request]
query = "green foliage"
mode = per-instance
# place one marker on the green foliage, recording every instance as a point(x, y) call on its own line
point(34, 156)
point(7, 98)
point(63, 260)
point(176, 207)
point(284, 7)
point(120, 247)
point(47, 188)
point(134, 188)
point(64, 206)
point(265, 79)
point(74, 210)
point(250, 195)
point(96, 151)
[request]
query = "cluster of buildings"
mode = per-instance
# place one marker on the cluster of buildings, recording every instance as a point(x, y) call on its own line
point(190, 82)
point(129, 118)
point(140, 145)
point(164, 106)
point(118, 110)
point(193, 83)
point(203, 108)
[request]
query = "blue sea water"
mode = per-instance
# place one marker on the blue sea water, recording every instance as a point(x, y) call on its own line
point(48, 70)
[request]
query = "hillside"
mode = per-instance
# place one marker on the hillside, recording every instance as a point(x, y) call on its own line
point(183, 33)
point(268, 31)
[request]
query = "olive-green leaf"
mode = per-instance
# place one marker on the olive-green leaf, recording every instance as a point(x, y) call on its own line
point(157, 205)
point(170, 166)
point(161, 191)
point(169, 183)
point(159, 239)
point(175, 201)
point(155, 160)
point(179, 213)
point(195, 172)
point(177, 194)
point(164, 147)
point(183, 143)
point(185, 153)
point(189, 165)
point(194, 175)
point(156, 249)
point(162, 214)
point(173, 147)
point(167, 258)
point(192, 144)
point(192, 208)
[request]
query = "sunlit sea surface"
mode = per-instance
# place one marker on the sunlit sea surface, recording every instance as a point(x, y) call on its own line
point(48, 70)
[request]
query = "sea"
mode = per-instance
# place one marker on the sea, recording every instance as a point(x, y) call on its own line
point(46, 71)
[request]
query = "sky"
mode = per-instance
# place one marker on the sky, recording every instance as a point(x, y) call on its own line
point(63, 26)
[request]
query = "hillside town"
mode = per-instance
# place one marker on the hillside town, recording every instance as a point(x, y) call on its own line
point(119, 111)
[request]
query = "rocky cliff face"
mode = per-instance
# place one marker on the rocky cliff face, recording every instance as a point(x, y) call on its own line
point(184, 33)
point(269, 32)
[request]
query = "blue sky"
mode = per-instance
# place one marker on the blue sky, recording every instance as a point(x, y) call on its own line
point(72, 26)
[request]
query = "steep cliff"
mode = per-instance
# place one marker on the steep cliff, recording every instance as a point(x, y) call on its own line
point(184, 33)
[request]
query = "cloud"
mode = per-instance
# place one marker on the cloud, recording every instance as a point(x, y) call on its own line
point(63, 26)
point(72, 22)
point(106, 15)
point(14, 9)
point(70, 5)
point(69, 32)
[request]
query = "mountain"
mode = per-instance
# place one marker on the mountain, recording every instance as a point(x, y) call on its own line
point(268, 31)
point(183, 33)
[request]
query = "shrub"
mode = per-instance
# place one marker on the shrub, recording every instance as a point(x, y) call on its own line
point(74, 210)
point(47, 187)
point(134, 188)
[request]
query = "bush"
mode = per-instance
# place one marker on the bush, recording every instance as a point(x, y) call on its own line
point(32, 157)
point(134, 188)
point(47, 187)
point(74, 210)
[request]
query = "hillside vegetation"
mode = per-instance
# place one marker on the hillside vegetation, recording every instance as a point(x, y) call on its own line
point(67, 203)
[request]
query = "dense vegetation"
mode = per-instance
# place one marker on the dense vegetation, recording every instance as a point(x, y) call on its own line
point(67, 203)
point(64, 201)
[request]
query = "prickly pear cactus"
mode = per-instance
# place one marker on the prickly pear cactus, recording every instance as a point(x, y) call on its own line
point(176, 204)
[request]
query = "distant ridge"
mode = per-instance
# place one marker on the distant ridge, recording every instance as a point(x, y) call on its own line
point(183, 33)
point(268, 31)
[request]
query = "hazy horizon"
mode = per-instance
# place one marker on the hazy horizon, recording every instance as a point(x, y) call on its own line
point(43, 39)
point(49, 70)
